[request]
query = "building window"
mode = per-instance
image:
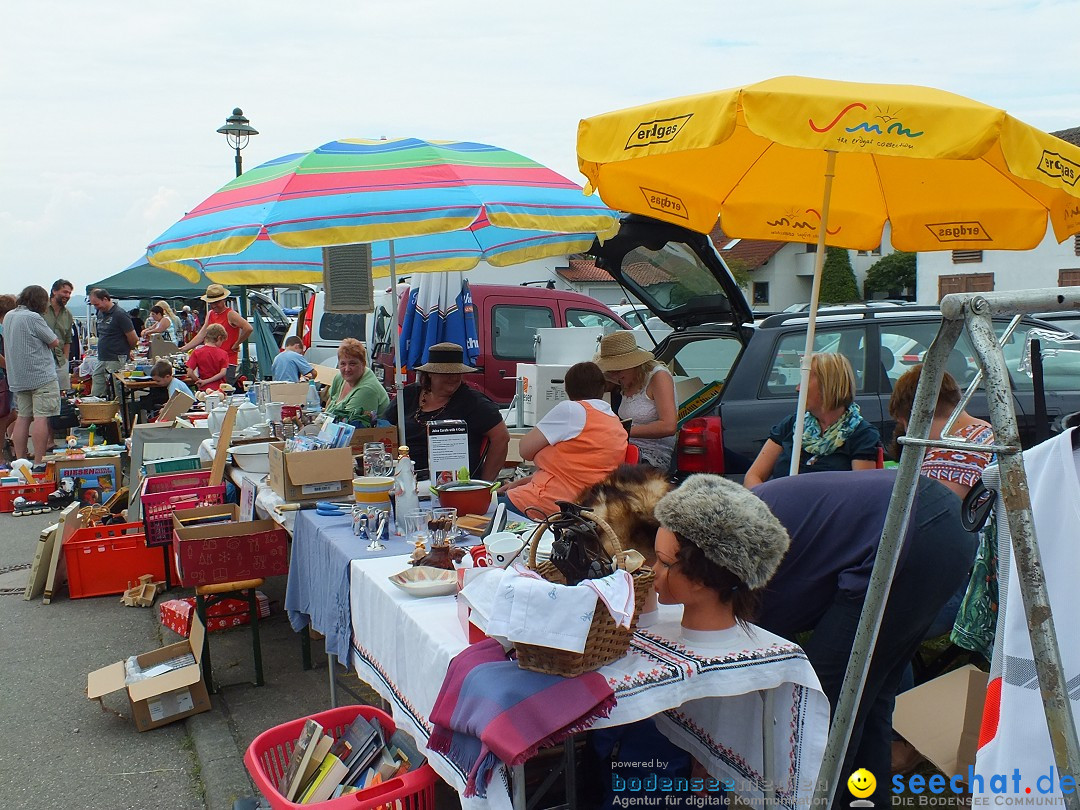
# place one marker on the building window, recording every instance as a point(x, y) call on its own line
point(1076, 244)
point(966, 256)
point(811, 247)
point(761, 292)
point(965, 283)
point(875, 252)
point(1069, 278)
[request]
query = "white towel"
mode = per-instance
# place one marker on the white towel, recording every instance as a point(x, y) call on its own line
point(550, 615)
point(617, 592)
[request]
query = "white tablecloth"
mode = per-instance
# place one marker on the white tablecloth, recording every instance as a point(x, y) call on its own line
point(751, 712)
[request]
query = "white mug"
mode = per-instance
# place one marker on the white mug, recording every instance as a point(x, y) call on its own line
point(273, 411)
point(503, 548)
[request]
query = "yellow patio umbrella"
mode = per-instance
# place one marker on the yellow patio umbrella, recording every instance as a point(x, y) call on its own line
point(812, 160)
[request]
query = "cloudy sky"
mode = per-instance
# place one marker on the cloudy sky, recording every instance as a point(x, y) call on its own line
point(110, 108)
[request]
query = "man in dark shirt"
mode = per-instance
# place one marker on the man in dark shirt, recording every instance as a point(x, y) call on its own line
point(116, 338)
point(835, 521)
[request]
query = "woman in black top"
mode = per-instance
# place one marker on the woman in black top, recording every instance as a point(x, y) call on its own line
point(440, 393)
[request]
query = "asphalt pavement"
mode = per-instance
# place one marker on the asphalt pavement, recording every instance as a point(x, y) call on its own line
point(63, 750)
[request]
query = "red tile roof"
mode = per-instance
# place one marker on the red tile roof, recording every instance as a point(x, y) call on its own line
point(584, 270)
point(751, 253)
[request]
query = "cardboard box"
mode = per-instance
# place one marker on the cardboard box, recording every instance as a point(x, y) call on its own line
point(387, 435)
point(448, 449)
point(227, 551)
point(284, 392)
point(941, 718)
point(313, 475)
point(160, 699)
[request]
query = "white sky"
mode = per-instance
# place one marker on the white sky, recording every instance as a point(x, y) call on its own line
point(110, 108)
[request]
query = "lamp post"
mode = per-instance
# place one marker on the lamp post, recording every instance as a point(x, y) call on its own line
point(238, 131)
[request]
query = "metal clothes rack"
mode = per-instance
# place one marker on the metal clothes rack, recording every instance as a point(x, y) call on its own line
point(974, 312)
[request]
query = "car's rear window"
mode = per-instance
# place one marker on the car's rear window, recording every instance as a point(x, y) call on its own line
point(338, 326)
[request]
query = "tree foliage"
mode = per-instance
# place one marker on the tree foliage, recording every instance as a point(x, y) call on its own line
point(740, 271)
point(838, 285)
point(893, 274)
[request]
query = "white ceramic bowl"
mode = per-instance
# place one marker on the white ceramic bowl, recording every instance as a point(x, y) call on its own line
point(253, 458)
point(423, 580)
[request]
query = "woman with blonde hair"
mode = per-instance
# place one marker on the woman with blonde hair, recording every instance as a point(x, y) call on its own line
point(355, 393)
point(835, 435)
point(162, 321)
point(648, 396)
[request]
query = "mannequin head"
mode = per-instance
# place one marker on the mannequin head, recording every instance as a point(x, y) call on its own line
point(717, 545)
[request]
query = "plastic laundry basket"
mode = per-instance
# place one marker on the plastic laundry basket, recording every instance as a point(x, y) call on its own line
point(267, 759)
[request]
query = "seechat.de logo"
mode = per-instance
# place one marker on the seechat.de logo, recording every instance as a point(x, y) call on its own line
point(861, 784)
point(665, 203)
point(662, 130)
point(972, 231)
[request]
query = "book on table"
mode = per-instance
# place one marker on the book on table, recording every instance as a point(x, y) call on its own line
point(301, 755)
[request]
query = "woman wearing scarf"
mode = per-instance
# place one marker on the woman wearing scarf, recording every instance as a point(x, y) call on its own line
point(835, 436)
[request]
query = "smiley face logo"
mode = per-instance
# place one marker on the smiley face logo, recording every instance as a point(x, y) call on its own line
point(861, 783)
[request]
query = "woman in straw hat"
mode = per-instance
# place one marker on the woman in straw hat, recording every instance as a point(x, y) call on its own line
point(440, 393)
point(648, 396)
point(236, 327)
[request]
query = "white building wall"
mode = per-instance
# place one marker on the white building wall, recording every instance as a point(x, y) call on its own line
point(1012, 269)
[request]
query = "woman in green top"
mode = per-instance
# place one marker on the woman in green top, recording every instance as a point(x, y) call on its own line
point(355, 392)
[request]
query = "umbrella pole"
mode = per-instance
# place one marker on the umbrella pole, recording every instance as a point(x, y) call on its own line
point(811, 326)
point(399, 383)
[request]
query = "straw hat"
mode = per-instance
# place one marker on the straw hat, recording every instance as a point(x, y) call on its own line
point(619, 351)
point(215, 292)
point(446, 358)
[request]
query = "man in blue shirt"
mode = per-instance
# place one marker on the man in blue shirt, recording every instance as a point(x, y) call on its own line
point(290, 365)
point(835, 521)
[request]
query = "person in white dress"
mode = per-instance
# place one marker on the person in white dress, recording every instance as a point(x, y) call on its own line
point(648, 396)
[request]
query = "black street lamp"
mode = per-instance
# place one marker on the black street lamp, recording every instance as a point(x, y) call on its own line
point(237, 130)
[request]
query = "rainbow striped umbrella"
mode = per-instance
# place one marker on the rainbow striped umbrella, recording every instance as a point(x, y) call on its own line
point(266, 262)
point(435, 205)
point(483, 202)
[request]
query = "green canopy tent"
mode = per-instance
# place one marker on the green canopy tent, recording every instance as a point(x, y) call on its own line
point(142, 280)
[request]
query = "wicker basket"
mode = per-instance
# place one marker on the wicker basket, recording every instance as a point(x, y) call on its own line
point(606, 641)
point(98, 411)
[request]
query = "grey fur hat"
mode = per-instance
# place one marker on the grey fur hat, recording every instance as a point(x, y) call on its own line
point(731, 525)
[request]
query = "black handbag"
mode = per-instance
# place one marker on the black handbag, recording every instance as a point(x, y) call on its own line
point(577, 549)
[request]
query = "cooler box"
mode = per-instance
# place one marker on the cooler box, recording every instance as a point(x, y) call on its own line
point(542, 389)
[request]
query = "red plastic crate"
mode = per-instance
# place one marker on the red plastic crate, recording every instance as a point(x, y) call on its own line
point(267, 759)
point(103, 560)
point(161, 494)
point(32, 492)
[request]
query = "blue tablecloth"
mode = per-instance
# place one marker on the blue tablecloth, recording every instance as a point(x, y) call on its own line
point(317, 594)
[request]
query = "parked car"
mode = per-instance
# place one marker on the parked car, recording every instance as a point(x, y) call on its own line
point(507, 318)
point(684, 281)
point(322, 331)
point(633, 314)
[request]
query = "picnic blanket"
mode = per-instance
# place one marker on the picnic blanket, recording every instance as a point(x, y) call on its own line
point(490, 710)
